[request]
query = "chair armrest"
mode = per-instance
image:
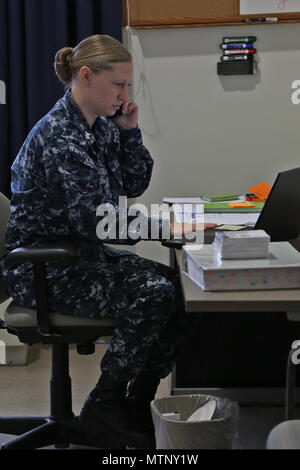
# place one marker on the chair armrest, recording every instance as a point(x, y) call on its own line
point(64, 252)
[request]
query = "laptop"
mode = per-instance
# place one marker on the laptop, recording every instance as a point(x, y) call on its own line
point(280, 216)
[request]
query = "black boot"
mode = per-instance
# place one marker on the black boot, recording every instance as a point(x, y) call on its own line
point(143, 387)
point(106, 419)
point(140, 392)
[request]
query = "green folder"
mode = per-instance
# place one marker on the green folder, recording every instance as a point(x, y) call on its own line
point(224, 207)
point(220, 197)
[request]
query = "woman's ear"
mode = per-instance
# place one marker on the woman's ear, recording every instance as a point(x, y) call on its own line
point(85, 75)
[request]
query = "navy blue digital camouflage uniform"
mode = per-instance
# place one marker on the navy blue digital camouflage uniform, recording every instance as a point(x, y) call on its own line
point(62, 173)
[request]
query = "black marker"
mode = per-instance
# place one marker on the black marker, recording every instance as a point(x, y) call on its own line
point(230, 58)
point(261, 20)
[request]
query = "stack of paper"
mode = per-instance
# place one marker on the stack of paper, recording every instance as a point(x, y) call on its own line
point(246, 244)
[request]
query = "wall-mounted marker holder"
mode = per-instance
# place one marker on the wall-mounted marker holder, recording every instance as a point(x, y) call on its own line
point(238, 56)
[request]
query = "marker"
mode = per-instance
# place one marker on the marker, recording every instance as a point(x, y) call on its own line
point(246, 45)
point(240, 51)
point(261, 20)
point(230, 58)
point(239, 39)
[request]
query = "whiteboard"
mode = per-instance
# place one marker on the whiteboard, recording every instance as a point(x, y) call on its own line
point(253, 7)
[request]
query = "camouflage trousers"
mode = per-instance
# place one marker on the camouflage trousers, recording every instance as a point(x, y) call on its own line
point(152, 324)
point(144, 297)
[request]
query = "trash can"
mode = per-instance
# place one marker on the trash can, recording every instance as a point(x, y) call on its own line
point(195, 422)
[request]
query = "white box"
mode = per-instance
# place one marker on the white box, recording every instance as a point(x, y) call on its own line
point(245, 244)
point(12, 351)
point(281, 270)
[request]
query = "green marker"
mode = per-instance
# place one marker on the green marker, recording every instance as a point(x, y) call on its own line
point(239, 39)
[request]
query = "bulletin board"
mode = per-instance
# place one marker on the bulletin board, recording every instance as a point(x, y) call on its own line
point(147, 14)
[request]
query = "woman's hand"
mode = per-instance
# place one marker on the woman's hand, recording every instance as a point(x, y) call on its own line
point(128, 118)
point(178, 229)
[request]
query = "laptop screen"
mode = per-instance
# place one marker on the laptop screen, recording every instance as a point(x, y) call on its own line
point(280, 216)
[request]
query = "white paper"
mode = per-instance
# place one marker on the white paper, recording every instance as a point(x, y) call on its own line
point(246, 244)
point(253, 7)
point(182, 200)
point(189, 218)
point(204, 413)
point(194, 200)
point(247, 218)
point(281, 255)
point(188, 212)
point(227, 218)
point(188, 208)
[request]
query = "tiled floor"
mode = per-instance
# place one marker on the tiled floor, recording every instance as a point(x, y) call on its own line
point(25, 390)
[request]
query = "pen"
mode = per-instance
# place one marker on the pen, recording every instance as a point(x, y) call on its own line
point(261, 20)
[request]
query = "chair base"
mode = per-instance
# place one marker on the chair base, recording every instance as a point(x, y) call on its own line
point(34, 433)
point(61, 428)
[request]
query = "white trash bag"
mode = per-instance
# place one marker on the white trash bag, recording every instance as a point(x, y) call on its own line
point(195, 422)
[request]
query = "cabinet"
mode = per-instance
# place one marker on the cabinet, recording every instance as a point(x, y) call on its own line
point(239, 356)
point(145, 14)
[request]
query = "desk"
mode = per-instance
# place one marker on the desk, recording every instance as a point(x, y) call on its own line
point(273, 301)
point(198, 300)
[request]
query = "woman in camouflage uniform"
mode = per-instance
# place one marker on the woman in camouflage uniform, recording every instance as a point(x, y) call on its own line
point(75, 159)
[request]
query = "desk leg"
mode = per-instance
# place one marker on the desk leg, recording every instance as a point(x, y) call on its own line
point(172, 258)
point(173, 264)
point(290, 387)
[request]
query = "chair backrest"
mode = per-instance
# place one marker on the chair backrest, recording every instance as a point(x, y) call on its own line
point(4, 214)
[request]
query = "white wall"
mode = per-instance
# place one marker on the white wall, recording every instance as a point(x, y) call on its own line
point(209, 133)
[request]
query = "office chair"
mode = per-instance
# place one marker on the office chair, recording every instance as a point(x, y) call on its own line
point(61, 428)
point(284, 436)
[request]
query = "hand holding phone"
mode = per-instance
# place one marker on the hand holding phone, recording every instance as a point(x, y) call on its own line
point(118, 113)
point(127, 116)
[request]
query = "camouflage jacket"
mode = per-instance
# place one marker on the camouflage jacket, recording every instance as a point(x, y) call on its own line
point(65, 170)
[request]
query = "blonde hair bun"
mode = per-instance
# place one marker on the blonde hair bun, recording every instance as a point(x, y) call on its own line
point(63, 64)
point(98, 52)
